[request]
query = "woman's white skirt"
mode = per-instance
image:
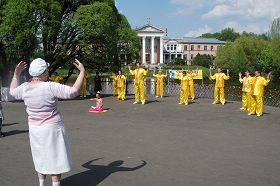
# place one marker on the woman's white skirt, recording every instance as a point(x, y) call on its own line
point(50, 148)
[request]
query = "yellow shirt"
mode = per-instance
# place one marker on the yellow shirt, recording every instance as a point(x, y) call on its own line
point(190, 76)
point(56, 78)
point(120, 81)
point(160, 78)
point(258, 84)
point(220, 79)
point(139, 75)
point(184, 82)
point(246, 87)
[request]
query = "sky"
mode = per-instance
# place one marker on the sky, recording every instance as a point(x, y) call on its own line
point(191, 18)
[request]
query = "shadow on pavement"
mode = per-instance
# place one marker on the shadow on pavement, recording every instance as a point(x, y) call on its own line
point(96, 174)
point(10, 124)
point(15, 132)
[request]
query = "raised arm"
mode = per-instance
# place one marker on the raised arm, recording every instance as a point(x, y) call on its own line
point(132, 72)
point(266, 82)
point(18, 70)
point(240, 77)
point(79, 81)
point(227, 76)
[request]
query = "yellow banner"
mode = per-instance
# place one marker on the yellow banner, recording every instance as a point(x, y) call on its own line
point(176, 73)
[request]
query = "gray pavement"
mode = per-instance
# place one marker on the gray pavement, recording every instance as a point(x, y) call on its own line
point(157, 144)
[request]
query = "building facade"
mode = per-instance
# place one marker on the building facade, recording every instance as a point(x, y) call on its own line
point(158, 50)
point(151, 39)
point(188, 48)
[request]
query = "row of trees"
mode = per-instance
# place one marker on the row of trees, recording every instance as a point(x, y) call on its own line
point(250, 53)
point(60, 30)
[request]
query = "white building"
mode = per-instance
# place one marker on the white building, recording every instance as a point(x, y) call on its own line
point(159, 50)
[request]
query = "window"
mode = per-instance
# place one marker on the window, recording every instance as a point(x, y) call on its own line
point(192, 47)
point(186, 56)
point(191, 56)
point(212, 48)
point(168, 47)
point(171, 48)
point(175, 47)
point(186, 47)
point(198, 47)
point(205, 48)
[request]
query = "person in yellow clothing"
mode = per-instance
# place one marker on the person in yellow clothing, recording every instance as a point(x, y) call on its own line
point(83, 91)
point(190, 76)
point(219, 86)
point(115, 88)
point(159, 83)
point(258, 84)
point(56, 78)
point(246, 90)
point(139, 88)
point(184, 89)
point(120, 84)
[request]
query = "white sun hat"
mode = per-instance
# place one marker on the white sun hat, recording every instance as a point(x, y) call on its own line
point(37, 67)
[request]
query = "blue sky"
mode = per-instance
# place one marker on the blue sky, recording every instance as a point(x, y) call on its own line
point(195, 17)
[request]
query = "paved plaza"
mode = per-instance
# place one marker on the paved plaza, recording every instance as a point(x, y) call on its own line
point(157, 144)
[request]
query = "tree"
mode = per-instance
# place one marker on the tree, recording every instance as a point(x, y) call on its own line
point(17, 34)
point(228, 34)
point(240, 63)
point(274, 28)
point(203, 60)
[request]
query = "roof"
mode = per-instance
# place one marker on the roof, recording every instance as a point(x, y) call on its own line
point(149, 28)
point(200, 40)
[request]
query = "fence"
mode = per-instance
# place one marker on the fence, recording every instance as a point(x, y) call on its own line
point(172, 88)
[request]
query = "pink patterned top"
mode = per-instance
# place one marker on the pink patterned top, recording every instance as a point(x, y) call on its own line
point(41, 100)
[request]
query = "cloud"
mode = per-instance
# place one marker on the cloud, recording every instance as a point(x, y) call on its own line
point(248, 9)
point(250, 27)
point(199, 31)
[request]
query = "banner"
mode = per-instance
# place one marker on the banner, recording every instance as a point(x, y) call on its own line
point(174, 74)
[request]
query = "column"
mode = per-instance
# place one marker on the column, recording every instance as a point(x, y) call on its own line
point(143, 50)
point(152, 50)
point(182, 56)
point(161, 51)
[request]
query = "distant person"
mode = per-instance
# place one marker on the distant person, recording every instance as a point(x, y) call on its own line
point(184, 89)
point(219, 85)
point(97, 83)
point(159, 83)
point(139, 85)
point(246, 90)
point(99, 103)
point(258, 84)
point(2, 134)
point(190, 76)
point(56, 77)
point(120, 84)
point(48, 139)
point(83, 91)
point(115, 88)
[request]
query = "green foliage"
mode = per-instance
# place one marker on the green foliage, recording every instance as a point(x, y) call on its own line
point(58, 31)
point(203, 60)
point(250, 52)
point(227, 34)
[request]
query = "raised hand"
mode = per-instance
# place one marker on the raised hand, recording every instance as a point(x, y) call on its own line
point(19, 68)
point(129, 67)
point(269, 75)
point(79, 65)
point(240, 74)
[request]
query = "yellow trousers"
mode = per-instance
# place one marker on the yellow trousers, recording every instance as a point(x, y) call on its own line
point(257, 105)
point(115, 90)
point(191, 91)
point(184, 96)
point(139, 91)
point(246, 101)
point(121, 93)
point(159, 90)
point(83, 91)
point(220, 91)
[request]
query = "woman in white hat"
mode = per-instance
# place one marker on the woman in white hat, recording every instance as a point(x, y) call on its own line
point(48, 139)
